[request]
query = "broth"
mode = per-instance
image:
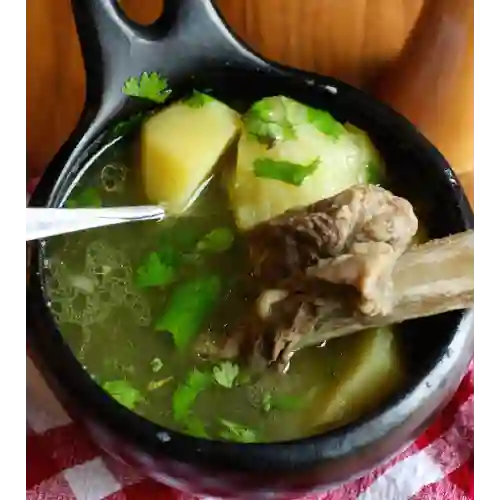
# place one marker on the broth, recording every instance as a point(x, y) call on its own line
point(96, 285)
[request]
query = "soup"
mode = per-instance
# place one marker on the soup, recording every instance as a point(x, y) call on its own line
point(133, 301)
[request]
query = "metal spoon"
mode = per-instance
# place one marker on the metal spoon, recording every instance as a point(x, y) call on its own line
point(45, 222)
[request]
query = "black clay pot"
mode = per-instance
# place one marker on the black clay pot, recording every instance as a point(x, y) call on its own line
point(191, 45)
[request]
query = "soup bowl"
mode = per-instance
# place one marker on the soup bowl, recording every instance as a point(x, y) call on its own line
point(193, 47)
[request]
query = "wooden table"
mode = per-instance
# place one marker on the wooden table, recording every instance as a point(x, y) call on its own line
point(352, 40)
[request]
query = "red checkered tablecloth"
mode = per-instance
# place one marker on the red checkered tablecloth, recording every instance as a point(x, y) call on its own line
point(62, 463)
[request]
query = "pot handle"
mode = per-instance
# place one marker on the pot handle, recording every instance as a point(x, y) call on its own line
point(190, 36)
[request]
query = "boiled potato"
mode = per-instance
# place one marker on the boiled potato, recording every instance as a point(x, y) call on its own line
point(303, 154)
point(373, 372)
point(180, 146)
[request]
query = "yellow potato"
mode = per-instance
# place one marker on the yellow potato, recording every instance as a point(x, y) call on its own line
point(373, 372)
point(340, 164)
point(291, 155)
point(180, 145)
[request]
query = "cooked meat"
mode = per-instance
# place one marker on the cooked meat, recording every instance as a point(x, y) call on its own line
point(367, 267)
point(301, 320)
point(305, 258)
point(429, 279)
point(267, 299)
point(353, 238)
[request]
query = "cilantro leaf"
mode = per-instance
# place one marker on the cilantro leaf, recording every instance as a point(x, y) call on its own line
point(156, 384)
point(182, 237)
point(282, 170)
point(280, 402)
point(182, 401)
point(325, 122)
point(88, 198)
point(169, 256)
point(195, 427)
point(124, 393)
point(216, 241)
point(186, 393)
point(225, 374)
point(266, 402)
point(267, 121)
point(237, 432)
point(151, 86)
point(189, 305)
point(286, 402)
point(156, 365)
point(199, 380)
point(154, 272)
point(198, 99)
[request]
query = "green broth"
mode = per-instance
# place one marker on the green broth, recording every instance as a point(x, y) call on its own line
point(109, 317)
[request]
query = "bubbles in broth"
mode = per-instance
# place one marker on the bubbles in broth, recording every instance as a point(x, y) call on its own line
point(131, 300)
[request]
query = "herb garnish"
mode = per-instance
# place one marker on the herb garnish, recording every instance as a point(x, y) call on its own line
point(282, 170)
point(225, 374)
point(151, 86)
point(237, 432)
point(216, 241)
point(325, 122)
point(280, 402)
point(267, 121)
point(154, 272)
point(198, 99)
point(186, 394)
point(124, 393)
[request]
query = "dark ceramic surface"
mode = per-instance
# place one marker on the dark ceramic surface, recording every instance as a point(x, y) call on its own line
point(191, 44)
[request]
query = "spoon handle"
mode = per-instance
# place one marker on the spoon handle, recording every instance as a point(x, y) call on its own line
point(45, 222)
